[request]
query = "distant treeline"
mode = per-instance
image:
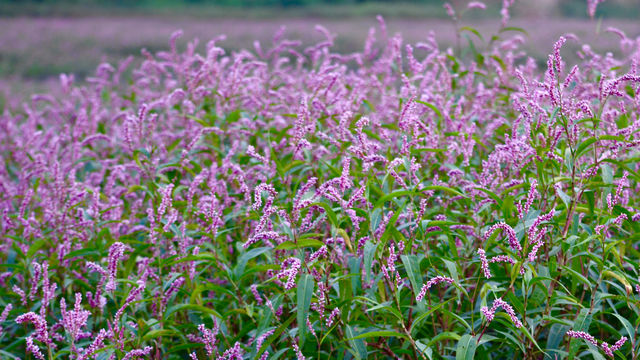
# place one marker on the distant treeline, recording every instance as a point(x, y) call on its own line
point(250, 3)
point(570, 8)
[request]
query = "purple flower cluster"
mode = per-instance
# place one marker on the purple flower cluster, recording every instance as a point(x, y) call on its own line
point(608, 349)
point(499, 303)
point(511, 235)
point(433, 281)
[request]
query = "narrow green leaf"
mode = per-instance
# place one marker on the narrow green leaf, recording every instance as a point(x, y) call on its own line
point(158, 333)
point(412, 266)
point(379, 333)
point(302, 243)
point(305, 291)
point(273, 337)
point(581, 323)
point(358, 345)
point(466, 348)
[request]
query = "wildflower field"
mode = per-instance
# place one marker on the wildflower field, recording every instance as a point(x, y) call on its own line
point(288, 202)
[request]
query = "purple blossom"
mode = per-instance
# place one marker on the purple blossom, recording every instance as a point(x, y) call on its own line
point(264, 337)
point(296, 349)
point(290, 268)
point(42, 334)
point(256, 294)
point(209, 338)
point(610, 349)
point(133, 354)
point(334, 314)
point(233, 353)
point(533, 192)
point(116, 253)
point(591, 7)
point(3, 316)
point(434, 281)
point(499, 303)
point(511, 234)
point(619, 219)
point(476, 5)
point(582, 335)
point(97, 344)
point(32, 348)
point(166, 199)
point(74, 320)
point(484, 263)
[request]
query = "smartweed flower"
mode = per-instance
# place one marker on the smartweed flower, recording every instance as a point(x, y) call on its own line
point(499, 303)
point(434, 281)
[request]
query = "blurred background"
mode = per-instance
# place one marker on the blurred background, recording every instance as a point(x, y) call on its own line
point(39, 39)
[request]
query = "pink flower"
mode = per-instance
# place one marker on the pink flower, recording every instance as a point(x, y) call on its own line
point(116, 253)
point(591, 7)
point(256, 294)
point(476, 5)
point(582, 335)
point(334, 314)
point(75, 319)
point(484, 263)
point(133, 354)
point(5, 313)
point(499, 303)
point(434, 281)
point(608, 349)
point(299, 355)
point(511, 234)
point(42, 334)
point(533, 192)
point(32, 348)
point(209, 338)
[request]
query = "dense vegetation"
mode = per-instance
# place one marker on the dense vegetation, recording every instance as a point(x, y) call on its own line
point(400, 202)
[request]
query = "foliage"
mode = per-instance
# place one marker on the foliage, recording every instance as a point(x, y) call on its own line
point(402, 201)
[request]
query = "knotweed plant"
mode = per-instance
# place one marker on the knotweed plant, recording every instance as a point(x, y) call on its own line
point(406, 201)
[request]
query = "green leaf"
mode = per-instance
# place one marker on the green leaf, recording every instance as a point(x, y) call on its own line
point(432, 107)
point(472, 30)
point(395, 194)
point(369, 252)
point(194, 307)
point(581, 323)
point(447, 335)
point(82, 253)
point(302, 243)
point(628, 327)
point(330, 213)
point(273, 337)
point(556, 335)
point(158, 333)
point(466, 348)
point(514, 28)
point(244, 258)
point(577, 275)
point(422, 316)
point(379, 333)
point(305, 291)
point(444, 188)
point(412, 266)
point(607, 174)
point(358, 345)
point(37, 245)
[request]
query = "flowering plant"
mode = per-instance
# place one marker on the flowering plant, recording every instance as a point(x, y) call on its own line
point(405, 201)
